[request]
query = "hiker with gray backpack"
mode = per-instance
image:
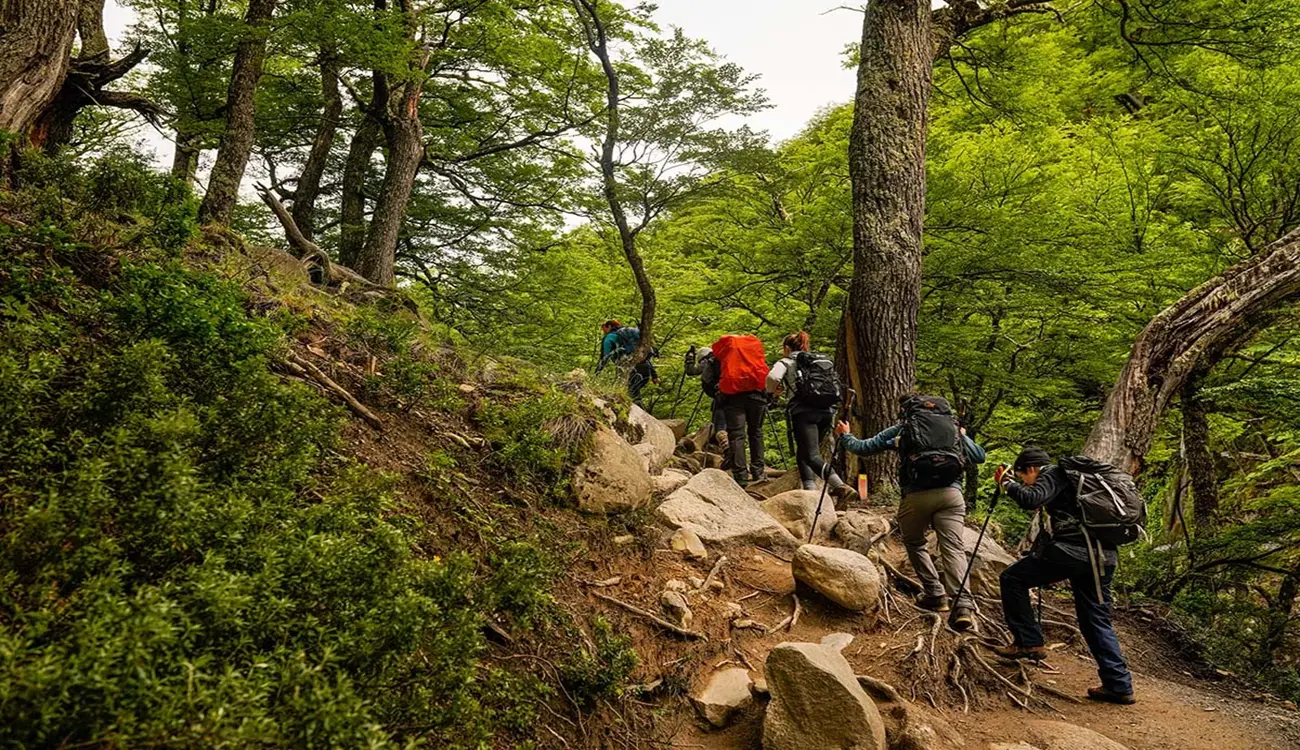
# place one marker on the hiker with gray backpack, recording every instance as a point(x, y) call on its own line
point(933, 453)
point(617, 345)
point(1091, 509)
point(813, 392)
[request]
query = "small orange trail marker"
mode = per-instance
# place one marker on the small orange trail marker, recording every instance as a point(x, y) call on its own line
point(862, 489)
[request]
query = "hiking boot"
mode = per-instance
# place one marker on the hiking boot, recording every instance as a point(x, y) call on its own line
point(741, 478)
point(963, 620)
point(1103, 695)
point(1016, 652)
point(932, 603)
point(845, 496)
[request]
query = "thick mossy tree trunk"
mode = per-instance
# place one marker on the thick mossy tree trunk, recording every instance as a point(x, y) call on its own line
point(185, 160)
point(307, 189)
point(1190, 336)
point(404, 134)
point(1200, 460)
point(36, 38)
point(237, 139)
point(352, 209)
point(887, 167)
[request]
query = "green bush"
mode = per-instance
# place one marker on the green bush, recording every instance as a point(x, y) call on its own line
point(537, 439)
point(183, 559)
point(602, 674)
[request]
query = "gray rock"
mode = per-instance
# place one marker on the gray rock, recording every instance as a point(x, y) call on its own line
point(817, 702)
point(990, 561)
point(713, 506)
point(689, 544)
point(612, 479)
point(769, 488)
point(676, 584)
point(726, 694)
point(843, 576)
point(676, 608)
point(837, 641)
point(796, 509)
point(669, 482)
point(656, 434)
point(732, 611)
point(1058, 735)
point(856, 528)
point(678, 426)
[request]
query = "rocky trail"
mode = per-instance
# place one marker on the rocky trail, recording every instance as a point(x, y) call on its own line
point(749, 638)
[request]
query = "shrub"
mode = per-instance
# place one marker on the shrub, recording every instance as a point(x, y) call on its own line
point(599, 674)
point(537, 439)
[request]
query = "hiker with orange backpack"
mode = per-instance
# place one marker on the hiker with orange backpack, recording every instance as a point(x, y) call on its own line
point(742, 389)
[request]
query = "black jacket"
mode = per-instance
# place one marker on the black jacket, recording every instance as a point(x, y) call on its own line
point(1057, 493)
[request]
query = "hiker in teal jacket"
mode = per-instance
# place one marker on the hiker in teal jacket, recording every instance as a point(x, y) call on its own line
point(617, 346)
point(923, 508)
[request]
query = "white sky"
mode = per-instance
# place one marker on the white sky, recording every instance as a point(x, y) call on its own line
point(793, 45)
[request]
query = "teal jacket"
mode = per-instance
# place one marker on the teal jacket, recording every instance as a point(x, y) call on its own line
point(887, 440)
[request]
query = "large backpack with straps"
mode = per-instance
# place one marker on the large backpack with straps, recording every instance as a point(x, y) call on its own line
point(742, 364)
point(930, 445)
point(815, 381)
point(628, 339)
point(1111, 510)
point(710, 374)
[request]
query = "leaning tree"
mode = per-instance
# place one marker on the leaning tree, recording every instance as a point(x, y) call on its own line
point(43, 85)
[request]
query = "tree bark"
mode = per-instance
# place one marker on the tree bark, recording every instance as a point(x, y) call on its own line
point(1193, 333)
point(90, 28)
point(887, 167)
point(1200, 461)
point(352, 229)
point(404, 134)
point(36, 38)
point(597, 40)
point(237, 139)
point(307, 190)
point(185, 160)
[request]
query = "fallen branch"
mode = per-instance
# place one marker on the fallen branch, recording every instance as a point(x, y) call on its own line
point(306, 369)
point(650, 616)
point(712, 574)
point(902, 577)
point(790, 621)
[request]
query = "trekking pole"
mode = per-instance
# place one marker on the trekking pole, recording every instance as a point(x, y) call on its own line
point(829, 467)
point(677, 400)
point(776, 437)
point(997, 495)
point(695, 411)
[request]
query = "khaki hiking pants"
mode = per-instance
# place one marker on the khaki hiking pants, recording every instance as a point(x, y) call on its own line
point(944, 510)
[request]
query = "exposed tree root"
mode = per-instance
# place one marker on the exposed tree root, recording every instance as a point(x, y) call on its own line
point(650, 616)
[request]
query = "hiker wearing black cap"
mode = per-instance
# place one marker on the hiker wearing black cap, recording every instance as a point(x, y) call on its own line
point(934, 452)
point(1061, 553)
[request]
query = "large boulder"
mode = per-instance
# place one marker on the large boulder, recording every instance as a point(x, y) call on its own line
point(655, 433)
point(989, 562)
point(718, 510)
point(856, 528)
point(817, 702)
point(796, 509)
point(613, 479)
point(678, 426)
point(769, 488)
point(727, 693)
point(843, 576)
point(670, 481)
point(1058, 735)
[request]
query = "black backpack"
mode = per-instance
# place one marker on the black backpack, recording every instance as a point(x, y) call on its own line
point(930, 445)
point(710, 374)
point(815, 381)
point(1111, 510)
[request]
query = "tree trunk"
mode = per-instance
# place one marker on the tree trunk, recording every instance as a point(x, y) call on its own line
point(1280, 617)
point(887, 166)
point(404, 134)
point(352, 229)
point(185, 160)
point(1200, 461)
point(90, 28)
point(598, 42)
point(1207, 323)
point(36, 39)
point(307, 190)
point(237, 139)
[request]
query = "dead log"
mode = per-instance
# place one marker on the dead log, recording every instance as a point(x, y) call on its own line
point(312, 255)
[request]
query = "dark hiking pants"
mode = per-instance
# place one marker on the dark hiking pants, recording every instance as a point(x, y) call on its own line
point(745, 413)
point(810, 428)
point(1051, 566)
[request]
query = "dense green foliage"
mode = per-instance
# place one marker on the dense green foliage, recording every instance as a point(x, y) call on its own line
point(186, 557)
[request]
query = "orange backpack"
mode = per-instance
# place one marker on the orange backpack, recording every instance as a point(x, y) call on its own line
point(743, 363)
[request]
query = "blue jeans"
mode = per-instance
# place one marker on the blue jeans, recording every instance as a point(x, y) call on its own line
point(1051, 566)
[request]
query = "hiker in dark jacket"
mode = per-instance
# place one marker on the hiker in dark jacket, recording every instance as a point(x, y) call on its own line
point(1061, 554)
point(616, 346)
point(808, 423)
point(922, 508)
point(700, 363)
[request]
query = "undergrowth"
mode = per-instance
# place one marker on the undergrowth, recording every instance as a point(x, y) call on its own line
point(187, 558)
